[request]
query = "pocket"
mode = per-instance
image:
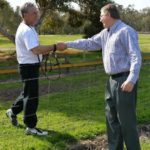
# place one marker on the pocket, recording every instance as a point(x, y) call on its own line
point(113, 45)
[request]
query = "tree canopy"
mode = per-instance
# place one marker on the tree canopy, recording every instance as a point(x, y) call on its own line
point(89, 11)
point(9, 20)
point(59, 17)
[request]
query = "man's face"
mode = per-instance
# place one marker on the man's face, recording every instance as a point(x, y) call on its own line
point(32, 16)
point(105, 19)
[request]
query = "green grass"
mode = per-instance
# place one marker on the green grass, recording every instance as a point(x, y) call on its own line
point(75, 113)
point(71, 115)
point(144, 44)
point(44, 39)
point(51, 39)
point(144, 95)
point(6, 43)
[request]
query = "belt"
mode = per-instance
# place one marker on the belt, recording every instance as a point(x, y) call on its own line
point(119, 74)
point(34, 64)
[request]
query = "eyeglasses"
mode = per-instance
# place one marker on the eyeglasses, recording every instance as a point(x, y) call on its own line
point(102, 15)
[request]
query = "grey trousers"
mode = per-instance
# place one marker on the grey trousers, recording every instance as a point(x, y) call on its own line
point(121, 115)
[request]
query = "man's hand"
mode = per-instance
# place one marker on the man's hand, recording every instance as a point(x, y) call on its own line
point(127, 86)
point(61, 46)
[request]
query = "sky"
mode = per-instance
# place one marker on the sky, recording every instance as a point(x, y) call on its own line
point(15, 3)
point(138, 4)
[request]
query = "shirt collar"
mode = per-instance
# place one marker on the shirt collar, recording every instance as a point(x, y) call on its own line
point(114, 26)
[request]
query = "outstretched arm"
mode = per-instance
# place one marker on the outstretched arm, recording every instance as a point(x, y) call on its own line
point(93, 43)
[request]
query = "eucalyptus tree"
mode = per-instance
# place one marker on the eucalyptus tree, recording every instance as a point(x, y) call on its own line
point(8, 20)
point(89, 13)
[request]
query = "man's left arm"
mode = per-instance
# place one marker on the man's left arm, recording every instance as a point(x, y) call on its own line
point(132, 47)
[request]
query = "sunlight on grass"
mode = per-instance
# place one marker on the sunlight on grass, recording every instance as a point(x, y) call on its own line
point(74, 113)
point(144, 40)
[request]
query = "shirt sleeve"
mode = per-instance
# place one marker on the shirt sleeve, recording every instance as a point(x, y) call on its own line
point(93, 43)
point(31, 39)
point(133, 50)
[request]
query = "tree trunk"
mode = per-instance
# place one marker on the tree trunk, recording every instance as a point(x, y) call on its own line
point(8, 35)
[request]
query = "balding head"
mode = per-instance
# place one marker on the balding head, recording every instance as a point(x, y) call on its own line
point(112, 10)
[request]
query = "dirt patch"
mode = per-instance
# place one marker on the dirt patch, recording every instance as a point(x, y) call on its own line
point(52, 87)
point(100, 142)
point(144, 131)
point(12, 94)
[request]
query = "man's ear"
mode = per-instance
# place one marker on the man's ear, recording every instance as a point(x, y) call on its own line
point(108, 14)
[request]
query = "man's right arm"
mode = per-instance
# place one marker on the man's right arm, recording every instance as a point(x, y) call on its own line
point(42, 49)
point(93, 43)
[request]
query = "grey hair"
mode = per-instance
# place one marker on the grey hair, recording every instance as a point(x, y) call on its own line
point(112, 10)
point(25, 8)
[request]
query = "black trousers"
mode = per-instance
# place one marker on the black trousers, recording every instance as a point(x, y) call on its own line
point(28, 99)
point(121, 115)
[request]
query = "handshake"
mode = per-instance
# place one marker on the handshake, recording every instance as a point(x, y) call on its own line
point(61, 46)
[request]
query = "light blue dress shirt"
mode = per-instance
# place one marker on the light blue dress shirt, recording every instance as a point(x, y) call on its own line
point(120, 49)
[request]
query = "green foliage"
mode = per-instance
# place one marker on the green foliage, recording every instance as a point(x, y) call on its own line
point(131, 16)
point(140, 20)
point(9, 19)
point(60, 18)
point(3, 4)
point(75, 18)
point(52, 23)
point(90, 10)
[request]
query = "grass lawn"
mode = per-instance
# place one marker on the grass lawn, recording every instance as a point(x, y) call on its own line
point(75, 113)
point(51, 39)
point(44, 39)
point(78, 57)
point(71, 115)
point(144, 41)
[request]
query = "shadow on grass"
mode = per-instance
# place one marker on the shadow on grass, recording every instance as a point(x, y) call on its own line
point(58, 140)
point(55, 139)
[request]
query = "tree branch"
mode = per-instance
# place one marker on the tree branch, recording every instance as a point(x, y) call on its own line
point(8, 35)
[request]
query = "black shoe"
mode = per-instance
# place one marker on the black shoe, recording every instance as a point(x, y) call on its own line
point(12, 117)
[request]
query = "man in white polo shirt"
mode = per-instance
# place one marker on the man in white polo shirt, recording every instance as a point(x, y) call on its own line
point(28, 56)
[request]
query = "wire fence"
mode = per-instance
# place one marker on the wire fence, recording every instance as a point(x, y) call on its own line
point(62, 94)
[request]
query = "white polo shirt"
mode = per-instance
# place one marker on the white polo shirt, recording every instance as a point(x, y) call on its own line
point(26, 39)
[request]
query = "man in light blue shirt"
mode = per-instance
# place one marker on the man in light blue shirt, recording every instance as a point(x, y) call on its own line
point(122, 62)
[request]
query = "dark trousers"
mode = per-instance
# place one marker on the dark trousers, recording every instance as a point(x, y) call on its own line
point(28, 99)
point(121, 115)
